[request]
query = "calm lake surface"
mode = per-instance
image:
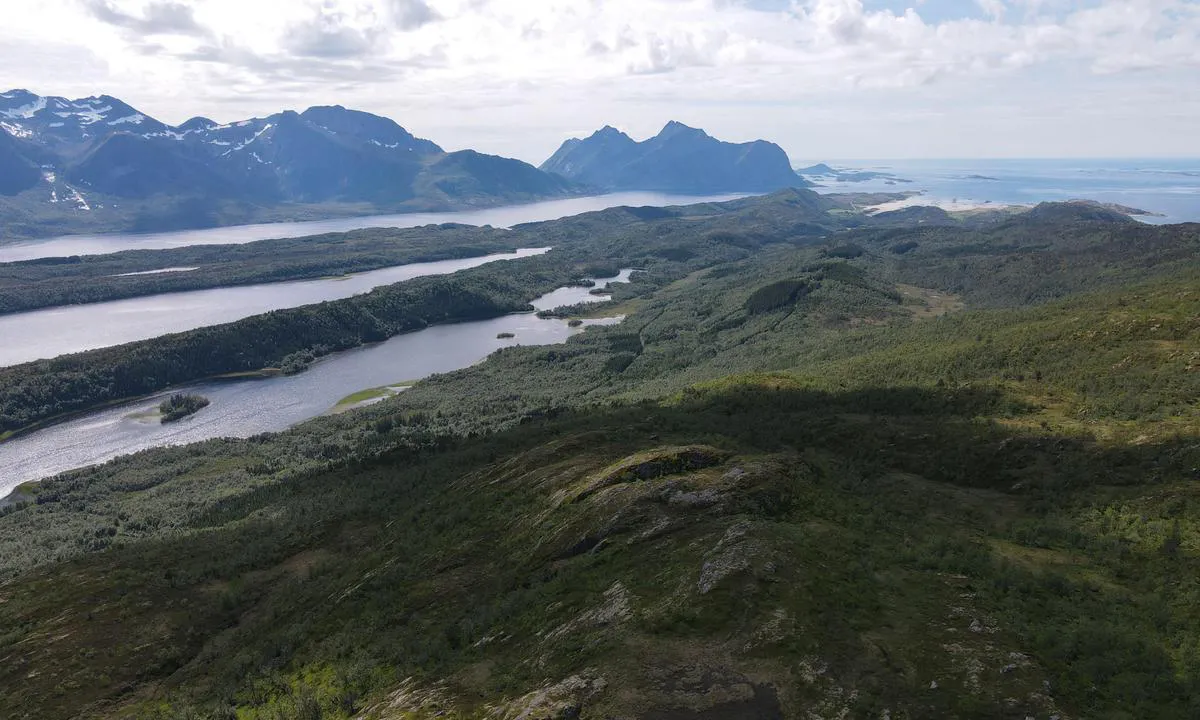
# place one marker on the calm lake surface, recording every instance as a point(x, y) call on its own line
point(241, 408)
point(506, 216)
point(72, 328)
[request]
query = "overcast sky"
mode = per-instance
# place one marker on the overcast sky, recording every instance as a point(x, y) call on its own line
point(827, 79)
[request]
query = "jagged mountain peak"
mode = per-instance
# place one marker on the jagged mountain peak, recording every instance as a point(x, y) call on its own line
point(609, 131)
point(68, 126)
point(676, 128)
point(324, 154)
point(680, 158)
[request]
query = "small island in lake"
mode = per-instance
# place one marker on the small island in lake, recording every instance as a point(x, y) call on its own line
point(574, 323)
point(180, 405)
point(505, 336)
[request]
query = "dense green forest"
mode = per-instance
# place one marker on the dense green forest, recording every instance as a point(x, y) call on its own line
point(905, 472)
point(47, 282)
point(665, 244)
point(289, 339)
point(180, 405)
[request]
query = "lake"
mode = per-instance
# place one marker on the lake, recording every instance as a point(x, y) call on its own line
point(505, 216)
point(73, 328)
point(241, 408)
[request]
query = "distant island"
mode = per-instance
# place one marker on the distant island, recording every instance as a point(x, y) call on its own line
point(181, 405)
point(821, 171)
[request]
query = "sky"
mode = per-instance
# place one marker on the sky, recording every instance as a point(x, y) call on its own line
point(826, 79)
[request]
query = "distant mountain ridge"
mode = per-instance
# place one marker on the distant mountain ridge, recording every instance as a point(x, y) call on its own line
point(98, 164)
point(55, 151)
point(678, 159)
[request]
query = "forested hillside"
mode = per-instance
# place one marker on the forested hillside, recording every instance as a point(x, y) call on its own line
point(48, 282)
point(817, 471)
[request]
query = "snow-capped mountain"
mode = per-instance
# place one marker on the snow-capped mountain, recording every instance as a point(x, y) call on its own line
point(62, 123)
point(326, 154)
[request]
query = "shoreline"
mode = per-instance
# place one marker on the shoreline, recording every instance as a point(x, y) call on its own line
point(920, 199)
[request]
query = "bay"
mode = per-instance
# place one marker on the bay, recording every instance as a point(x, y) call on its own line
point(242, 408)
point(68, 329)
point(504, 216)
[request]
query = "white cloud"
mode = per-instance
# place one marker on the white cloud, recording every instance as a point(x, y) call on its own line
point(994, 9)
point(576, 63)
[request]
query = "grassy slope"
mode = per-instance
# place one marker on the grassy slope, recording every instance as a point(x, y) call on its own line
point(836, 557)
point(829, 505)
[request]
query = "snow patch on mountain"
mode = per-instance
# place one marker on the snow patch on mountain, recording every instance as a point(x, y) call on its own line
point(131, 119)
point(16, 130)
point(80, 202)
point(90, 115)
point(242, 145)
point(257, 135)
point(25, 112)
point(50, 178)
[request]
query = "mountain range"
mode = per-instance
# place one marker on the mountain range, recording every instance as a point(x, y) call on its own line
point(99, 164)
point(678, 159)
point(324, 154)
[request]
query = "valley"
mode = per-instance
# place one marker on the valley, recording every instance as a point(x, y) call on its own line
point(907, 464)
point(250, 405)
point(78, 328)
point(40, 389)
point(83, 269)
point(849, 371)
